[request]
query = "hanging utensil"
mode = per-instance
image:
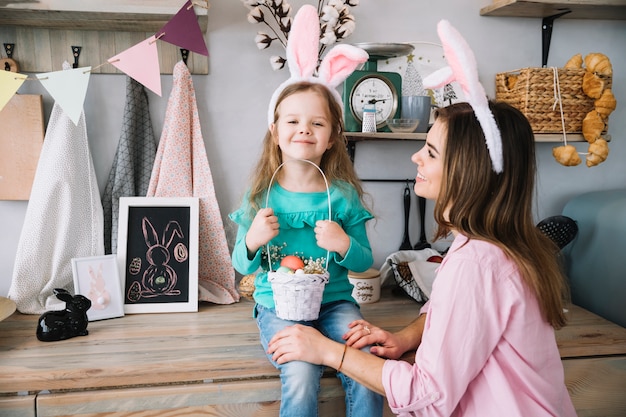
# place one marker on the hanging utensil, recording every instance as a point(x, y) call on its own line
point(423, 243)
point(406, 242)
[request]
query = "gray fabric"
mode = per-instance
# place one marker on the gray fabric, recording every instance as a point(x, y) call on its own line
point(132, 165)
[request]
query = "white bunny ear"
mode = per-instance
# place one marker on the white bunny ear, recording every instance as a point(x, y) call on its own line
point(303, 43)
point(462, 68)
point(439, 78)
point(339, 63)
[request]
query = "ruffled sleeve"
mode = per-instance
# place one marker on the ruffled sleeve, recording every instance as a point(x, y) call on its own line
point(241, 262)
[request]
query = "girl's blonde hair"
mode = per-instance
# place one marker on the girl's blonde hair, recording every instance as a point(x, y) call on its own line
point(497, 208)
point(335, 162)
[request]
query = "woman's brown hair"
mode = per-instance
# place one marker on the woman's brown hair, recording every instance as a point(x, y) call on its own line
point(497, 208)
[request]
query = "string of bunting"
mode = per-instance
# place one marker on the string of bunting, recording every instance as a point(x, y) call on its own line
point(140, 62)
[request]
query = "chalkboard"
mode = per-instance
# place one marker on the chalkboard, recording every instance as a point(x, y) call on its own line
point(158, 254)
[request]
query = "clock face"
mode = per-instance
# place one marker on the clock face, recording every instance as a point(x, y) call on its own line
point(378, 88)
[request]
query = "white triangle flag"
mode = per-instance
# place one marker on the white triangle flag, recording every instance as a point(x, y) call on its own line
point(68, 88)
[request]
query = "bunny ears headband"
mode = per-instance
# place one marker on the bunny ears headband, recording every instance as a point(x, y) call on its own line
point(462, 68)
point(302, 58)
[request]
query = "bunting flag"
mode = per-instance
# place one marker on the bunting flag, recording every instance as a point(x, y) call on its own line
point(141, 62)
point(10, 82)
point(68, 88)
point(183, 30)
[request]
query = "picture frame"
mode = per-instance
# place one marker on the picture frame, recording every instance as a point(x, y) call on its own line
point(157, 253)
point(97, 278)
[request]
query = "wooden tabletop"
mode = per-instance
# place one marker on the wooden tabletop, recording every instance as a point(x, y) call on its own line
point(219, 343)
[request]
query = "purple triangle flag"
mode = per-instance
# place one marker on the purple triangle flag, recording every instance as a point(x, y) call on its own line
point(183, 30)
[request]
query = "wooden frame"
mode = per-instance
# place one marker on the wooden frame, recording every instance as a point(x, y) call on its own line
point(97, 278)
point(157, 253)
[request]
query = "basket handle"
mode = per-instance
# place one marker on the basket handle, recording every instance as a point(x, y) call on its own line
point(267, 200)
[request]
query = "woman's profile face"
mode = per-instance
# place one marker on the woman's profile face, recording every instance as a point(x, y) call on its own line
point(429, 161)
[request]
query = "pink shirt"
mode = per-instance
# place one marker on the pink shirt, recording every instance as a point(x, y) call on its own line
point(485, 351)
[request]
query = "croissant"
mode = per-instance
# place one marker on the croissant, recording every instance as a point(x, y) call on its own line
point(566, 155)
point(575, 62)
point(606, 103)
point(598, 63)
point(593, 126)
point(592, 85)
point(597, 152)
point(511, 80)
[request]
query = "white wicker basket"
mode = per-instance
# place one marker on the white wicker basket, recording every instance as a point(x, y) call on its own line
point(298, 297)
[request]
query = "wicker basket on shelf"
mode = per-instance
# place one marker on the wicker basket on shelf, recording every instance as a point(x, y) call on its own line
point(535, 91)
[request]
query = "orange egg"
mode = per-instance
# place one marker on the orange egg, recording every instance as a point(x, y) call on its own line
point(292, 262)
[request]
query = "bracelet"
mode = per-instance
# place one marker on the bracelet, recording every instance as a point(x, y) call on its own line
point(343, 355)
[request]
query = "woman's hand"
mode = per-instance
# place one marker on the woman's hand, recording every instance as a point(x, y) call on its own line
point(332, 237)
point(384, 343)
point(303, 343)
point(264, 228)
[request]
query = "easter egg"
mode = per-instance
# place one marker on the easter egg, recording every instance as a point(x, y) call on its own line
point(285, 270)
point(292, 262)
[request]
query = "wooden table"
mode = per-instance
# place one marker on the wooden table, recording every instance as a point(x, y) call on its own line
point(212, 362)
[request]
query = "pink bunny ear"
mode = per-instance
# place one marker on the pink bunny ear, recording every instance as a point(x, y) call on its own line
point(339, 63)
point(463, 69)
point(303, 43)
point(302, 58)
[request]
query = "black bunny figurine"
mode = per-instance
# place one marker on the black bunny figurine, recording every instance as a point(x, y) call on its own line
point(64, 324)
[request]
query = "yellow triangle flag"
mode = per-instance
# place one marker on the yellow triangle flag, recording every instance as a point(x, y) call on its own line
point(10, 82)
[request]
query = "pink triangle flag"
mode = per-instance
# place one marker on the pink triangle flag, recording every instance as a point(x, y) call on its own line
point(184, 31)
point(141, 63)
point(10, 82)
point(68, 88)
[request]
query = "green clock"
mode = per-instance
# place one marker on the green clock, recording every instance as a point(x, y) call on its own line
point(369, 85)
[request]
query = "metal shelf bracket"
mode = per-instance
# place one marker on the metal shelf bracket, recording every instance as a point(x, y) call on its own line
point(546, 35)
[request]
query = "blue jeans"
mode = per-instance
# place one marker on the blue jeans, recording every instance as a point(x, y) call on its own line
point(300, 381)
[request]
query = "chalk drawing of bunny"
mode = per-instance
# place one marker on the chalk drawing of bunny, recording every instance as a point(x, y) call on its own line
point(159, 278)
point(98, 294)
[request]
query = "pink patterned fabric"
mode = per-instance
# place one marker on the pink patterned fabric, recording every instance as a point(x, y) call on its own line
point(181, 169)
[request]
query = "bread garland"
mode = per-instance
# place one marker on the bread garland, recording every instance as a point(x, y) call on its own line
point(598, 67)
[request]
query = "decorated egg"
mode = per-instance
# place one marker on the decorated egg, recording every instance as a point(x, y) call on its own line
point(292, 262)
point(285, 270)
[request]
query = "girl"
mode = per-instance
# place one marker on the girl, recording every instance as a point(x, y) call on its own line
point(307, 127)
point(485, 343)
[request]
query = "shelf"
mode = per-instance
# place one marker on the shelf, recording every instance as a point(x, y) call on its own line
point(539, 137)
point(359, 136)
point(44, 32)
point(580, 9)
point(111, 15)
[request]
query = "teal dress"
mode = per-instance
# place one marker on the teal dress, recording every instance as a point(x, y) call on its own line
point(297, 214)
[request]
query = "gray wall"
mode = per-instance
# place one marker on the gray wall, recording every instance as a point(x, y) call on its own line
point(233, 98)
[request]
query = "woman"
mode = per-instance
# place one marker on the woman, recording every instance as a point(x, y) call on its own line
point(485, 341)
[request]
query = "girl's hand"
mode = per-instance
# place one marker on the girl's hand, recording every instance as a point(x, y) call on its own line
point(299, 342)
point(384, 343)
point(331, 236)
point(264, 228)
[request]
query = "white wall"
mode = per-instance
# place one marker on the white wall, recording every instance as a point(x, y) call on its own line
point(233, 98)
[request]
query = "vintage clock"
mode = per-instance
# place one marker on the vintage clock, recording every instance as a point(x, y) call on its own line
point(368, 85)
